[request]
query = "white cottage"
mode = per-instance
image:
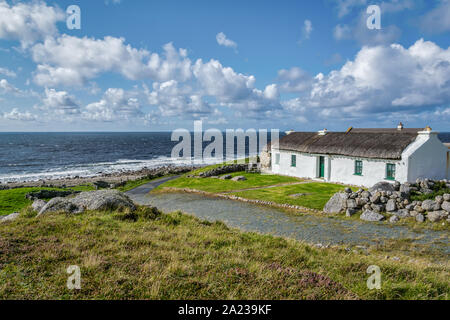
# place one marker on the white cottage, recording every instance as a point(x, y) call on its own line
point(362, 156)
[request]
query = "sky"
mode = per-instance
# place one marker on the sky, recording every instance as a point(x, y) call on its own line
point(137, 65)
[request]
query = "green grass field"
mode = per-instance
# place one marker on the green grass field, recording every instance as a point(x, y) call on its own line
point(13, 200)
point(175, 256)
point(217, 185)
point(316, 194)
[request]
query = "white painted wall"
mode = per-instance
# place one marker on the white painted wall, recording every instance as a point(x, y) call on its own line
point(427, 157)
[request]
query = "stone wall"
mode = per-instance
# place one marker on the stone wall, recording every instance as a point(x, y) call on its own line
point(394, 199)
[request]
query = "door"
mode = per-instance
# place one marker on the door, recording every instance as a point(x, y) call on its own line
point(321, 167)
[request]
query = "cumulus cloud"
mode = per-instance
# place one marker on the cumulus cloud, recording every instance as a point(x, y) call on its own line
point(59, 103)
point(382, 79)
point(116, 104)
point(16, 115)
point(438, 19)
point(6, 87)
point(8, 73)
point(222, 40)
point(294, 80)
point(28, 22)
point(69, 60)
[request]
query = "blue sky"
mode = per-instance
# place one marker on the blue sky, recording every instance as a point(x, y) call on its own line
point(160, 65)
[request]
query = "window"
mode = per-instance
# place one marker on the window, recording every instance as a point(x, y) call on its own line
point(390, 171)
point(358, 167)
point(277, 158)
point(293, 160)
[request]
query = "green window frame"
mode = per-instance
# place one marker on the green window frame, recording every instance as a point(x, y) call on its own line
point(293, 160)
point(358, 167)
point(390, 171)
point(277, 158)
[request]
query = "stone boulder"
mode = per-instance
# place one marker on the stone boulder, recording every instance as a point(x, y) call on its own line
point(336, 204)
point(446, 197)
point(96, 200)
point(382, 186)
point(402, 213)
point(38, 205)
point(239, 178)
point(430, 205)
point(436, 216)
point(225, 177)
point(394, 219)
point(49, 194)
point(446, 206)
point(420, 218)
point(371, 216)
point(11, 217)
point(391, 205)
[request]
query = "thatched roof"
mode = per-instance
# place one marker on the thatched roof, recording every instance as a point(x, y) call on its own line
point(361, 143)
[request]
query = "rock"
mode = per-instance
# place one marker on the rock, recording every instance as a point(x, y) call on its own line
point(383, 199)
point(419, 209)
point(371, 216)
point(101, 185)
point(351, 204)
point(430, 205)
point(420, 218)
point(446, 206)
point(394, 219)
point(403, 213)
point(365, 194)
point(382, 186)
point(391, 205)
point(405, 189)
point(350, 212)
point(11, 217)
point(239, 178)
point(413, 213)
point(336, 204)
point(226, 177)
point(446, 197)
point(348, 190)
point(397, 185)
point(38, 205)
point(377, 207)
point(439, 199)
point(96, 200)
point(214, 177)
point(49, 194)
point(427, 191)
point(436, 216)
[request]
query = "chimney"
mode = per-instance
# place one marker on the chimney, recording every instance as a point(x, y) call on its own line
point(323, 132)
point(400, 126)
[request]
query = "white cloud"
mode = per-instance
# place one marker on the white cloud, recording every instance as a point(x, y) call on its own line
point(8, 73)
point(59, 103)
point(16, 115)
point(307, 29)
point(382, 80)
point(342, 32)
point(438, 19)
point(116, 104)
point(224, 41)
point(28, 22)
point(294, 80)
point(6, 87)
point(72, 61)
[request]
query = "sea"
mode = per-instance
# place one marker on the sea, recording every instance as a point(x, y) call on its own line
point(43, 156)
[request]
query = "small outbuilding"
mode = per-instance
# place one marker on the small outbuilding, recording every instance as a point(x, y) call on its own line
point(362, 156)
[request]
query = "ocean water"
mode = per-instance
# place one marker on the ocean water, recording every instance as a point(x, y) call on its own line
point(34, 156)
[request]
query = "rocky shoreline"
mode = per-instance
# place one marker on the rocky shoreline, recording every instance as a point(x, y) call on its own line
point(116, 178)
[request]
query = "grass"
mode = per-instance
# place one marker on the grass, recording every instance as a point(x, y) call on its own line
point(316, 195)
point(217, 185)
point(175, 256)
point(13, 200)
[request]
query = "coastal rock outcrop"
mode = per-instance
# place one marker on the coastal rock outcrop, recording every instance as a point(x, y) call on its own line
point(95, 200)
